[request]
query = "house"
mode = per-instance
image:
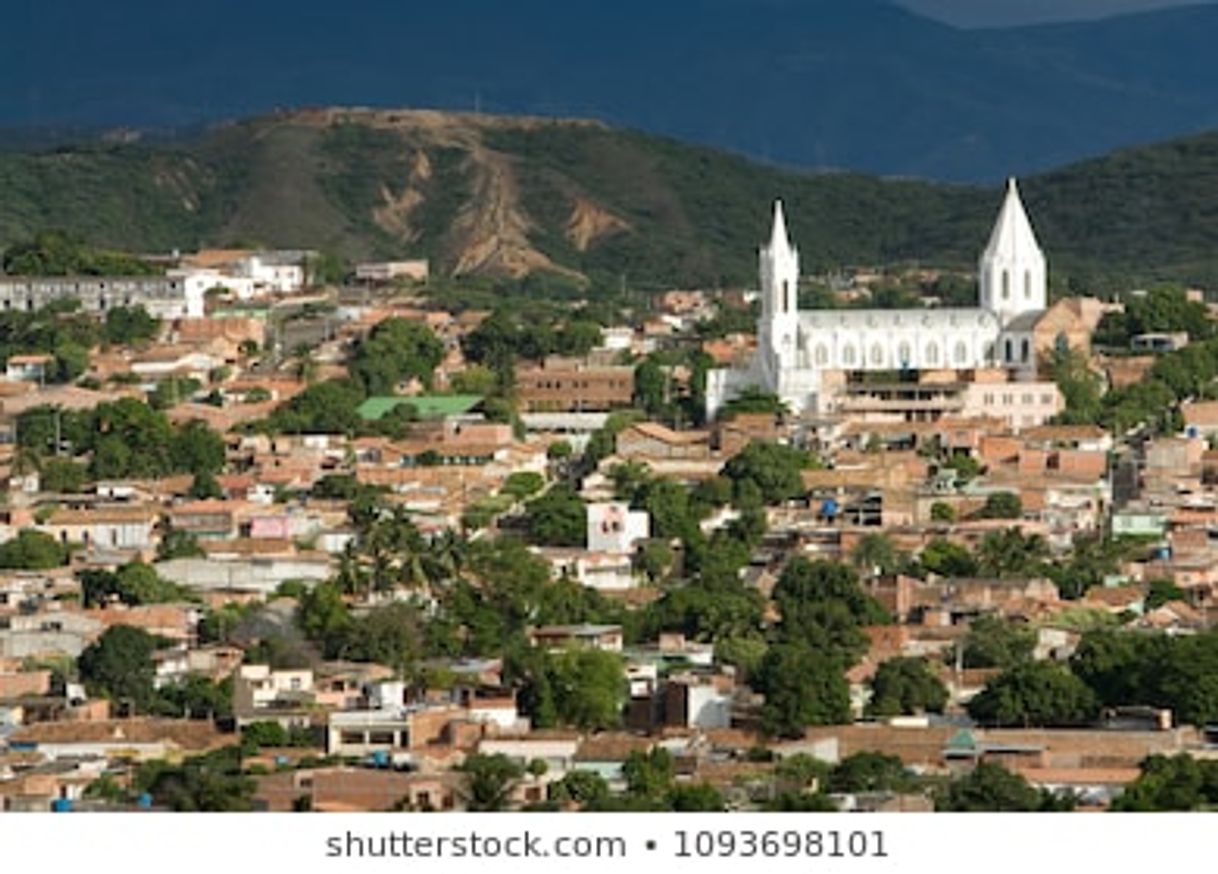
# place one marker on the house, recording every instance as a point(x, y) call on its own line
point(350, 790)
point(1200, 417)
point(262, 694)
point(174, 622)
point(562, 384)
point(48, 633)
point(205, 519)
point(376, 272)
point(389, 729)
point(603, 571)
point(615, 528)
point(114, 527)
point(602, 637)
point(28, 368)
point(650, 440)
point(557, 748)
point(140, 739)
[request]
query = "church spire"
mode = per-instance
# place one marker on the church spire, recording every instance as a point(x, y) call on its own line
point(779, 241)
point(1012, 237)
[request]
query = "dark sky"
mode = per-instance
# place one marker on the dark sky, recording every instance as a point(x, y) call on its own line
point(987, 13)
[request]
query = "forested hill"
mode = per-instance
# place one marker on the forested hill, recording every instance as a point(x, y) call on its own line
point(577, 201)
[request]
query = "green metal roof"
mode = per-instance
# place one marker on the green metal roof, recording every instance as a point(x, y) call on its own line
point(962, 740)
point(428, 406)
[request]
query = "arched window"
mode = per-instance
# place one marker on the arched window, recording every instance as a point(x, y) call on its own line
point(1006, 285)
point(904, 353)
point(961, 352)
point(822, 354)
point(1010, 347)
point(786, 296)
point(848, 355)
point(877, 355)
point(1027, 284)
point(932, 354)
point(1025, 350)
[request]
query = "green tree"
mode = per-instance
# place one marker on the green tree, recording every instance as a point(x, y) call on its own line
point(947, 559)
point(126, 326)
point(942, 512)
point(1002, 505)
point(697, 798)
point(649, 774)
point(1035, 694)
point(197, 448)
point(176, 543)
point(589, 688)
point(991, 787)
point(523, 484)
point(204, 486)
point(805, 588)
point(32, 551)
point(774, 469)
point(651, 387)
point(870, 772)
point(875, 554)
point(210, 783)
point(490, 781)
point(558, 518)
point(1162, 592)
point(802, 687)
point(1011, 553)
point(906, 686)
point(579, 787)
point(396, 350)
point(62, 475)
point(119, 665)
point(993, 642)
point(1175, 783)
point(323, 408)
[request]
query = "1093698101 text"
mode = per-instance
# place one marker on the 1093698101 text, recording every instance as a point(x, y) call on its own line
point(780, 843)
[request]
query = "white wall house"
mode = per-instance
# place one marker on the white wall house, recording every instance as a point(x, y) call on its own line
point(615, 528)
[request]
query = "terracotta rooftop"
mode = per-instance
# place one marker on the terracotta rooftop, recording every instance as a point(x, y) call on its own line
point(182, 733)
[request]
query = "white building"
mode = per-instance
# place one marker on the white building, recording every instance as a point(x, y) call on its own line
point(796, 350)
point(615, 528)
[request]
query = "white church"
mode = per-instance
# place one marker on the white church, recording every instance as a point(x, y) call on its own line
point(801, 355)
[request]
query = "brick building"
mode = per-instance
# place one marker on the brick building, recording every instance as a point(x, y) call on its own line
point(568, 385)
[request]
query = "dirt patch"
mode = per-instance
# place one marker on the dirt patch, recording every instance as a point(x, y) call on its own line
point(394, 216)
point(590, 223)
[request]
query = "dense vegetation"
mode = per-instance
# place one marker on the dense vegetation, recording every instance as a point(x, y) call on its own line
point(691, 215)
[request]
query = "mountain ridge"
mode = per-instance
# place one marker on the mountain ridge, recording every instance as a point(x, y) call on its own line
point(866, 86)
point(586, 204)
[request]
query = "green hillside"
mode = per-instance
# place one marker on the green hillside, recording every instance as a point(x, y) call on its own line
point(581, 202)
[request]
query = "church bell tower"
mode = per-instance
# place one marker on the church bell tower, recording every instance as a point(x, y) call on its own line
point(1012, 270)
point(779, 297)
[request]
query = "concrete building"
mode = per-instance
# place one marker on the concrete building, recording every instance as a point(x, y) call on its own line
point(165, 297)
point(615, 528)
point(567, 385)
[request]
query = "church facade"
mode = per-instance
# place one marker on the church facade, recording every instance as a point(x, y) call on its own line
point(799, 352)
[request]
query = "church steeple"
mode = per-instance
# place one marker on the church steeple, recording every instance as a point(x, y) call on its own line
point(779, 294)
point(779, 239)
point(1013, 235)
point(1012, 268)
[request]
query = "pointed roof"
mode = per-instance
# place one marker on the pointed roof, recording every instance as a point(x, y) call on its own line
point(778, 236)
point(1012, 236)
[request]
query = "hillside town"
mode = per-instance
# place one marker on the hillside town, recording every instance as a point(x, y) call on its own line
point(280, 534)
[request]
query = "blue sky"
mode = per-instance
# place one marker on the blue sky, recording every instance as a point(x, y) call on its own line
point(987, 13)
